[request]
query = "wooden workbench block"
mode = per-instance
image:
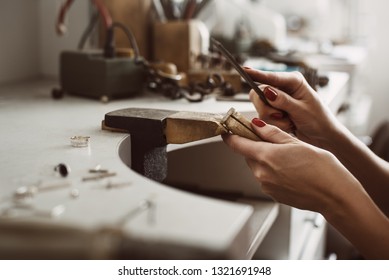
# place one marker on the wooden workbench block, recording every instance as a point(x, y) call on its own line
point(136, 16)
point(179, 42)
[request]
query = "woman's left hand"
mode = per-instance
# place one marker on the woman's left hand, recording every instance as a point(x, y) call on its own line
point(293, 172)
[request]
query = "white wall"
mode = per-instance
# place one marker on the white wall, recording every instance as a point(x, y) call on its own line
point(378, 63)
point(50, 44)
point(18, 42)
point(29, 46)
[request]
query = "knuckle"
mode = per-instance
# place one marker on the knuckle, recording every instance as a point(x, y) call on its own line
point(298, 76)
point(265, 188)
point(265, 113)
point(228, 139)
point(284, 101)
point(298, 80)
point(262, 176)
point(233, 146)
point(272, 132)
point(258, 174)
point(266, 159)
point(269, 190)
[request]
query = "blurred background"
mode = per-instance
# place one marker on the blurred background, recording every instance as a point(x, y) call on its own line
point(325, 36)
point(29, 46)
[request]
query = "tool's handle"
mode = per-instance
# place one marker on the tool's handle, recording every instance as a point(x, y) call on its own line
point(238, 124)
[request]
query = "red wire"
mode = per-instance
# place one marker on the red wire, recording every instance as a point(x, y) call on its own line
point(61, 17)
point(103, 11)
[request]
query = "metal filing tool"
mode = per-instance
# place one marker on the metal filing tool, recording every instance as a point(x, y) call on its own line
point(240, 70)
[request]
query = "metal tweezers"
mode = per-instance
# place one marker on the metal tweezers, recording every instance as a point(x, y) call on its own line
point(240, 70)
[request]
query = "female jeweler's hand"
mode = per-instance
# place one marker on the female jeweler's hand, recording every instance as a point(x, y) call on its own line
point(293, 172)
point(296, 106)
point(304, 176)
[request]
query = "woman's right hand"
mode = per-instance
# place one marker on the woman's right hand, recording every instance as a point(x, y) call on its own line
point(296, 107)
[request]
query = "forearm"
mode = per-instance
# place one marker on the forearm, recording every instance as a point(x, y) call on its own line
point(369, 169)
point(360, 221)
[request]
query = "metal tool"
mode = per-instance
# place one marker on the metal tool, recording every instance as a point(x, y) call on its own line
point(178, 9)
point(99, 176)
point(200, 7)
point(144, 205)
point(24, 210)
point(30, 191)
point(189, 9)
point(240, 70)
point(159, 10)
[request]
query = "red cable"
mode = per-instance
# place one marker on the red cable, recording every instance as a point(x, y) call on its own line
point(61, 27)
point(103, 11)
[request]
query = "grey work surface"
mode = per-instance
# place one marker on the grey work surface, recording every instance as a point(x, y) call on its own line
point(36, 133)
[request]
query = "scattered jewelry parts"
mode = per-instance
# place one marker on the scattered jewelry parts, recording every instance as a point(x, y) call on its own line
point(99, 176)
point(80, 141)
point(144, 205)
point(30, 191)
point(18, 210)
point(98, 169)
point(62, 169)
point(74, 193)
point(111, 185)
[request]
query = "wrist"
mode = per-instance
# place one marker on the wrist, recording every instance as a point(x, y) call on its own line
point(358, 219)
point(335, 136)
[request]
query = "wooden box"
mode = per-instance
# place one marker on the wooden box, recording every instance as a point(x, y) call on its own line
point(135, 14)
point(179, 42)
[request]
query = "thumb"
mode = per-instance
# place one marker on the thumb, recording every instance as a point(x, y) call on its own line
point(270, 133)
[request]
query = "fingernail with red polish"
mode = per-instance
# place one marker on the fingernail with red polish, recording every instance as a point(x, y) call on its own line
point(277, 116)
point(258, 122)
point(270, 93)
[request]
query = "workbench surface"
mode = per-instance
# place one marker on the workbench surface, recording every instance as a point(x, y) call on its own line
point(44, 215)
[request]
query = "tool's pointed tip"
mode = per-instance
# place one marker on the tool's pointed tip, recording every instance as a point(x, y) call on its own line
point(214, 41)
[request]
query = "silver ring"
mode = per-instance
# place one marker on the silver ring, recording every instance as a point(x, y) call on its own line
point(79, 141)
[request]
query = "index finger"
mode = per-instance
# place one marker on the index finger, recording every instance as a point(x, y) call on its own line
point(286, 81)
point(244, 146)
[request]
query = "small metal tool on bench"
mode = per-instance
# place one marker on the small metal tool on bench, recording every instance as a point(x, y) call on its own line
point(151, 130)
